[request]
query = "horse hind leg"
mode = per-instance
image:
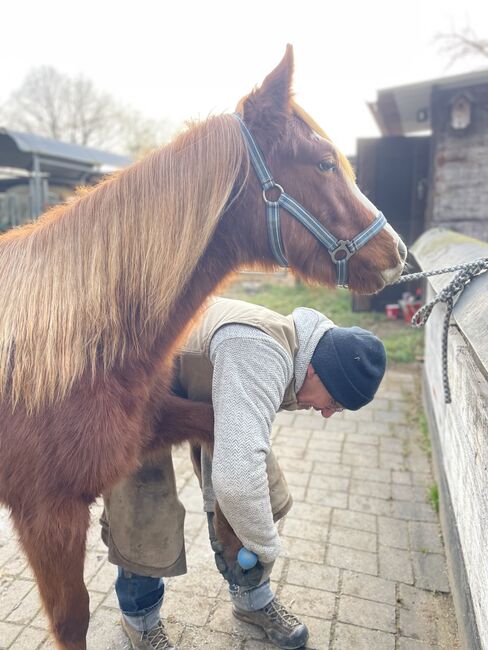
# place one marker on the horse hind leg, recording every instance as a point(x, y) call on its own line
point(54, 539)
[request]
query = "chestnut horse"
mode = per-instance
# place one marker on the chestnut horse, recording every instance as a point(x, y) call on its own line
point(96, 295)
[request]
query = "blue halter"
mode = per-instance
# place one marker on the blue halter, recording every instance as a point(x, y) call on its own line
point(343, 247)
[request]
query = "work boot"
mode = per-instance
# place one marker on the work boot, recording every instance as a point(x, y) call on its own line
point(280, 626)
point(155, 639)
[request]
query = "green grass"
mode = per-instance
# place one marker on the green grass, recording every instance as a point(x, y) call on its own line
point(403, 343)
point(434, 497)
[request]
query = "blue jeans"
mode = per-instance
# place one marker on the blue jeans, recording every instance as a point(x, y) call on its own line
point(140, 598)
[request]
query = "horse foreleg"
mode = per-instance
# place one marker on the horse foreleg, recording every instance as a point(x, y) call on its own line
point(180, 419)
point(225, 534)
point(54, 540)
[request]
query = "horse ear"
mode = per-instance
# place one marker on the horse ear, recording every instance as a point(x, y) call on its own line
point(267, 108)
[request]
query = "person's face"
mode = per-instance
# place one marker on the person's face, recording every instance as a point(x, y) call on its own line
point(314, 394)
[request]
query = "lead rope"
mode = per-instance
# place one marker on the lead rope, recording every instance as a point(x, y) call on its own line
point(467, 272)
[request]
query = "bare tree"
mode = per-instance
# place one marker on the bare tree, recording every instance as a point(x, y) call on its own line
point(72, 109)
point(462, 44)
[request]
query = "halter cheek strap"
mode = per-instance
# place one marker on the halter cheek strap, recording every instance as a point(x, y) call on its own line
point(340, 250)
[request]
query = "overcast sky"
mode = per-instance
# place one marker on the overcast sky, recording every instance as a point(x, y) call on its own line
point(189, 58)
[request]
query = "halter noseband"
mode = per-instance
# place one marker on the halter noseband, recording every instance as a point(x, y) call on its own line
point(343, 247)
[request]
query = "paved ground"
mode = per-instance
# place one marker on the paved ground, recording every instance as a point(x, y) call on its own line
point(364, 564)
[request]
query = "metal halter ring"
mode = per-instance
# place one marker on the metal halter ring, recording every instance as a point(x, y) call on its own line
point(272, 187)
point(342, 246)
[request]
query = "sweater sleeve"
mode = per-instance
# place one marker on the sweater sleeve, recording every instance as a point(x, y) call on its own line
point(250, 376)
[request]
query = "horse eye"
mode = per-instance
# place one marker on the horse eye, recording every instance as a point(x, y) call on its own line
point(327, 166)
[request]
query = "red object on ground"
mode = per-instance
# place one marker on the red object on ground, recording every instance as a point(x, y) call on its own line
point(392, 311)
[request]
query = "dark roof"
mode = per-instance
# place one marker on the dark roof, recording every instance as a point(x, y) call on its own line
point(406, 109)
point(19, 149)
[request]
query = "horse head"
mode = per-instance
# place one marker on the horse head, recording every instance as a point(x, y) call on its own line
point(326, 231)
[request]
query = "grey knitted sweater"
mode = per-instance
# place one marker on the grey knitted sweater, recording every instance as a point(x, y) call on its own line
point(251, 373)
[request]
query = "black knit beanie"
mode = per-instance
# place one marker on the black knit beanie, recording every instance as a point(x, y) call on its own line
point(350, 362)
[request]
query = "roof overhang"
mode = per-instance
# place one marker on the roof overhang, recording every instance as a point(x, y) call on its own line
point(407, 109)
point(53, 157)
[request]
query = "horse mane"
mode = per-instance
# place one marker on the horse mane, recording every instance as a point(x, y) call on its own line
point(82, 283)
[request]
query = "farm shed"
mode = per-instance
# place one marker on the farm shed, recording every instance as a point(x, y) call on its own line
point(36, 172)
point(429, 168)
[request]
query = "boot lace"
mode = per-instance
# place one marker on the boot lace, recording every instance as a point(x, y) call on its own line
point(278, 612)
point(157, 637)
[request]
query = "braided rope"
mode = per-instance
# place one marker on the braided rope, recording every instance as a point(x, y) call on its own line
point(466, 273)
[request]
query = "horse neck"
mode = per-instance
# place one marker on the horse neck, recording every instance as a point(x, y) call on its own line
point(238, 242)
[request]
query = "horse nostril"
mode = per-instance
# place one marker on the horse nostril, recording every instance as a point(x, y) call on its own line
point(402, 249)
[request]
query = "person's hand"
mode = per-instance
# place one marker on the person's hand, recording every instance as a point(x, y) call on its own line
point(231, 570)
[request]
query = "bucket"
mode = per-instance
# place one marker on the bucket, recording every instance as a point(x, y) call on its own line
point(392, 311)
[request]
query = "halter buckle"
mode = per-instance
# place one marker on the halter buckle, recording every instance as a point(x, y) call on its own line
point(343, 246)
point(272, 187)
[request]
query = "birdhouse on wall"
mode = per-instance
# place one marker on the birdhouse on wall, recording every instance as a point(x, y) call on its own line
point(460, 113)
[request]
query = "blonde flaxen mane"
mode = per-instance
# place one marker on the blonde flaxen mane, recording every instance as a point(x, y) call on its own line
point(79, 285)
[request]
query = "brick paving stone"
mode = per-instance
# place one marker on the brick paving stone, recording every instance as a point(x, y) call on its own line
point(27, 608)
point(298, 442)
point(425, 537)
point(349, 637)
point(308, 422)
point(307, 574)
point(298, 479)
point(315, 513)
point(298, 492)
point(222, 620)
point(395, 564)
point(296, 465)
point(342, 426)
point(378, 475)
point(308, 602)
point(353, 519)
point(187, 608)
point(401, 477)
point(320, 455)
point(371, 488)
point(391, 461)
point(370, 505)
point(8, 632)
point(412, 510)
point(326, 444)
point(360, 532)
point(392, 445)
point(327, 498)
point(393, 532)
point(285, 451)
point(359, 438)
point(331, 470)
point(305, 530)
point(351, 538)
point(352, 559)
point(361, 449)
point(12, 594)
point(430, 572)
point(30, 639)
point(369, 587)
point(421, 478)
point(319, 633)
point(360, 460)
point(367, 613)
point(376, 428)
point(258, 645)
point(332, 483)
point(403, 492)
point(302, 548)
point(412, 644)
